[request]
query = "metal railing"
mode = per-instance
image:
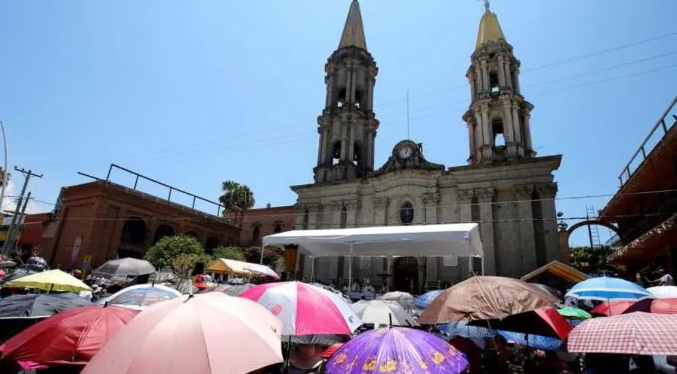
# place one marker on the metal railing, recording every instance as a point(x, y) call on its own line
point(666, 123)
point(138, 176)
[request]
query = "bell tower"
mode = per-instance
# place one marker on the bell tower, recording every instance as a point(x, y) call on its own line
point(347, 126)
point(498, 117)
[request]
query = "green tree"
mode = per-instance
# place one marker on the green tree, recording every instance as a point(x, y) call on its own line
point(180, 253)
point(230, 253)
point(236, 195)
point(589, 259)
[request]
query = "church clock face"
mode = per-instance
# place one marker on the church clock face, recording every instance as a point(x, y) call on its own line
point(406, 152)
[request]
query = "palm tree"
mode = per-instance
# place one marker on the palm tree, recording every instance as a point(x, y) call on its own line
point(236, 196)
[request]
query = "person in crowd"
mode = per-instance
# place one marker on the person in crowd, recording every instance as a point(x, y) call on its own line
point(471, 352)
point(368, 287)
point(305, 359)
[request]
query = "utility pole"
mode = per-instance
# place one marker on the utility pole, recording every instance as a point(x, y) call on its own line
point(9, 243)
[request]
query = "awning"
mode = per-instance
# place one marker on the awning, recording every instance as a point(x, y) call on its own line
point(462, 239)
point(557, 269)
point(224, 265)
point(648, 245)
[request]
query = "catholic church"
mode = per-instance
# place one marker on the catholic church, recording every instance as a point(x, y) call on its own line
point(505, 186)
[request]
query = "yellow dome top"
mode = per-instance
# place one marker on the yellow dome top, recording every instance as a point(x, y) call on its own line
point(353, 32)
point(490, 29)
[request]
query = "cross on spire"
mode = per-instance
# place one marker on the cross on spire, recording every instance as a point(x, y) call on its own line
point(486, 6)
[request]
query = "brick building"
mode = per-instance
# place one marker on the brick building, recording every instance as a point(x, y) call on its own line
point(256, 223)
point(101, 220)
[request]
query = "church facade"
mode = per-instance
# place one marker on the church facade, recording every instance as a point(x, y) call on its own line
point(505, 187)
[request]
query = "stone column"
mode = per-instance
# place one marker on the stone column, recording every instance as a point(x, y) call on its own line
point(370, 91)
point(491, 258)
point(487, 135)
point(516, 74)
point(351, 144)
point(548, 192)
point(344, 143)
point(352, 206)
point(517, 130)
point(527, 135)
point(349, 81)
point(369, 149)
point(506, 69)
point(330, 87)
point(299, 212)
point(501, 71)
point(380, 211)
point(471, 139)
point(313, 210)
point(464, 201)
point(527, 249)
point(353, 85)
point(485, 76)
point(431, 202)
point(471, 80)
point(509, 130)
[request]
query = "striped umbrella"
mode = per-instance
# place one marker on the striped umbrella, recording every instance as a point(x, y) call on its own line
point(424, 300)
point(305, 309)
point(608, 288)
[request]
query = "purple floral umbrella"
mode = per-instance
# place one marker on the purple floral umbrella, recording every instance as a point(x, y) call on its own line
point(397, 350)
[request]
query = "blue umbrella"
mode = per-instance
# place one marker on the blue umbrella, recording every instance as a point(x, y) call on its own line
point(532, 341)
point(463, 330)
point(424, 300)
point(607, 288)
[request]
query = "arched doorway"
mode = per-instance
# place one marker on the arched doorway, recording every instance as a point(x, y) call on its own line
point(161, 232)
point(192, 234)
point(133, 235)
point(405, 275)
point(212, 243)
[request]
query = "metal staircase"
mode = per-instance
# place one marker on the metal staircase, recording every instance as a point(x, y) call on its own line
point(593, 232)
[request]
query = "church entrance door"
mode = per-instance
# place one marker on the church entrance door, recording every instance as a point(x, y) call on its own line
point(405, 275)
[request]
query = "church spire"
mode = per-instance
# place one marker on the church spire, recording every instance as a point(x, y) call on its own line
point(490, 30)
point(353, 32)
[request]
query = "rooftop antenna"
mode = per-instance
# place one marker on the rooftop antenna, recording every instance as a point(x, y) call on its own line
point(486, 6)
point(408, 137)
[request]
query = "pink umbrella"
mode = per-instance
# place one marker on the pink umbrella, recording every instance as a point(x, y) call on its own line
point(635, 333)
point(210, 333)
point(305, 309)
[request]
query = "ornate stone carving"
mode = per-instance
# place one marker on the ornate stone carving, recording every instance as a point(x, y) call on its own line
point(524, 192)
point(547, 190)
point(313, 207)
point(353, 205)
point(431, 199)
point(335, 206)
point(484, 194)
point(414, 161)
point(465, 196)
point(380, 203)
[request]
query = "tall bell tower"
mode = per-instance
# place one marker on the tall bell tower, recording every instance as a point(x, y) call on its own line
point(347, 126)
point(498, 117)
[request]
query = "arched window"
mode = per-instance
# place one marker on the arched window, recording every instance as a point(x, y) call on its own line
point(358, 99)
point(357, 154)
point(336, 153)
point(161, 232)
point(278, 228)
point(493, 84)
point(497, 130)
point(344, 217)
point(407, 213)
point(342, 98)
point(256, 234)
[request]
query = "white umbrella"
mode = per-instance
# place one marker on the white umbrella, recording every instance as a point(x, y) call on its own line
point(664, 292)
point(382, 313)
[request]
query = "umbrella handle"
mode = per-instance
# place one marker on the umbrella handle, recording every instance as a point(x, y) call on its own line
point(390, 318)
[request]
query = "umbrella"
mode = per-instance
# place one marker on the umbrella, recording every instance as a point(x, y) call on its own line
point(127, 267)
point(542, 321)
point(233, 290)
point(69, 338)
point(612, 307)
point(7, 264)
point(403, 298)
point(574, 313)
point(631, 334)
point(424, 300)
point(608, 288)
point(485, 297)
point(210, 333)
point(382, 313)
point(16, 274)
point(39, 306)
point(51, 280)
point(464, 330)
point(660, 306)
point(548, 289)
point(305, 309)
point(532, 341)
point(141, 295)
point(663, 292)
point(397, 350)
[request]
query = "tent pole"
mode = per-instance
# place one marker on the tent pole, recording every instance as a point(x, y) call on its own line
point(312, 270)
point(350, 267)
point(262, 249)
point(471, 266)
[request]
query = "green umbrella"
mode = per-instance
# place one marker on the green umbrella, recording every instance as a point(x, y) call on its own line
point(573, 312)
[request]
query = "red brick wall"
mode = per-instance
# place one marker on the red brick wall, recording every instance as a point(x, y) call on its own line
point(266, 219)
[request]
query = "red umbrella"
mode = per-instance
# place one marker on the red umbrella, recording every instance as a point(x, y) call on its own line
point(68, 338)
point(660, 306)
point(631, 334)
point(543, 321)
point(612, 307)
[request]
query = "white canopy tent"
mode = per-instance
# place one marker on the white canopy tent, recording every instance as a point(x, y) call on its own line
point(461, 239)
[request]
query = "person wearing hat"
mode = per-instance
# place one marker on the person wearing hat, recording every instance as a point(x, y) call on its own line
point(305, 359)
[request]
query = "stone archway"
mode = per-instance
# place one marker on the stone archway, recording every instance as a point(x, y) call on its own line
point(211, 243)
point(162, 231)
point(405, 275)
point(588, 223)
point(132, 238)
point(192, 234)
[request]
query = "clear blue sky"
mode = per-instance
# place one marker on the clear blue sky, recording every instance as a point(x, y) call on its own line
point(194, 93)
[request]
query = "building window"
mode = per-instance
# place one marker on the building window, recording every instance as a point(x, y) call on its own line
point(407, 213)
point(344, 217)
point(278, 228)
point(497, 130)
point(493, 84)
point(305, 219)
point(336, 153)
point(256, 233)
